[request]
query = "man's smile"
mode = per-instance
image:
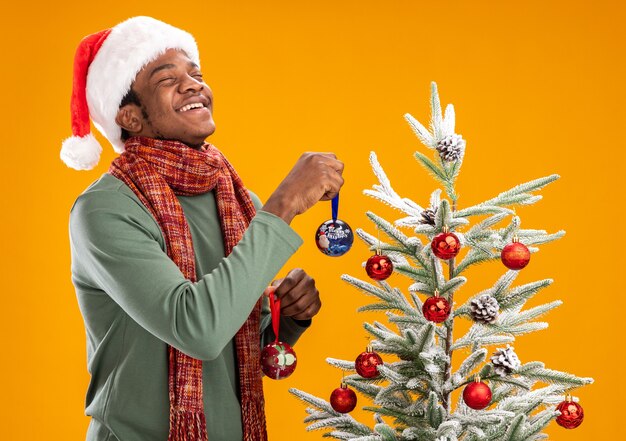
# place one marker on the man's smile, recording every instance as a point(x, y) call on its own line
point(191, 106)
point(197, 103)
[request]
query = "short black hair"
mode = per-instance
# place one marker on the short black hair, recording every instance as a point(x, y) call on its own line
point(130, 98)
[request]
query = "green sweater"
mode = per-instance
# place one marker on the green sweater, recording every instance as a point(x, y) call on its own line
point(135, 301)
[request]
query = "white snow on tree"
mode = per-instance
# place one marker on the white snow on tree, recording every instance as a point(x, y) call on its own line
point(411, 398)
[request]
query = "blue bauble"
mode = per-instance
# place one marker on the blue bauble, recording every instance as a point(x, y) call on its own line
point(334, 238)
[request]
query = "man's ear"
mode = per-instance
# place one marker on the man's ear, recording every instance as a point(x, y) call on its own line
point(129, 118)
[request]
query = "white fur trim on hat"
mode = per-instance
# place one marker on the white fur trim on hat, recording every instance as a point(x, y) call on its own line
point(129, 47)
point(81, 153)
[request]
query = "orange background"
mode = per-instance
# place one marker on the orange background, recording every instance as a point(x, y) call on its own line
point(537, 87)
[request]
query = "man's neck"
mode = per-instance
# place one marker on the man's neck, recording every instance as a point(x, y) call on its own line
point(195, 147)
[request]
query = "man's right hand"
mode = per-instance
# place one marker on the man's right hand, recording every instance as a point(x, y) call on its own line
point(315, 177)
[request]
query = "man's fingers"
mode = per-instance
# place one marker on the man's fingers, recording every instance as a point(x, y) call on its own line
point(328, 196)
point(328, 155)
point(332, 161)
point(339, 166)
point(310, 311)
point(336, 165)
point(299, 297)
point(303, 285)
point(277, 282)
point(288, 283)
point(302, 305)
point(334, 185)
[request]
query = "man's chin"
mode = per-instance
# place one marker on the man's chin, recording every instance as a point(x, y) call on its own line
point(205, 130)
point(197, 139)
point(211, 129)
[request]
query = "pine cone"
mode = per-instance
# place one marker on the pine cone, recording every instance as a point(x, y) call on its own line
point(485, 309)
point(428, 216)
point(451, 148)
point(505, 361)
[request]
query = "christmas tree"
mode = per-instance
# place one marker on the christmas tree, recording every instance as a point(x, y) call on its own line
point(410, 393)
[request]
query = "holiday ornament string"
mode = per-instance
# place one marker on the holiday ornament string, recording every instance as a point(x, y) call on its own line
point(278, 359)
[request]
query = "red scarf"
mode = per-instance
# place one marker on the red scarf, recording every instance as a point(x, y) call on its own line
point(156, 171)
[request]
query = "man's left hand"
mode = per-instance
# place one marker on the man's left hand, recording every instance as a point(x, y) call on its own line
point(299, 298)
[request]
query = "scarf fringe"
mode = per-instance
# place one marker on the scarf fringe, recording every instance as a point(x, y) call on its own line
point(187, 426)
point(254, 428)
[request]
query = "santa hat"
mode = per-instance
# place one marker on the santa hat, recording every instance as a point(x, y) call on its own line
point(105, 66)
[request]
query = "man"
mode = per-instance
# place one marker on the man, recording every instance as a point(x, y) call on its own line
point(170, 252)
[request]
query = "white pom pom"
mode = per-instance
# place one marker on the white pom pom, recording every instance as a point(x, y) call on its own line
point(81, 153)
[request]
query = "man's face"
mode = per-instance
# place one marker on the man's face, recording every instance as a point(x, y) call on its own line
point(176, 103)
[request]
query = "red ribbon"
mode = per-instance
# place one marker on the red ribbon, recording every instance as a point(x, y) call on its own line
point(275, 310)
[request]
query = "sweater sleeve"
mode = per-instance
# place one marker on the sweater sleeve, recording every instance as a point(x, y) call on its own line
point(115, 248)
point(290, 329)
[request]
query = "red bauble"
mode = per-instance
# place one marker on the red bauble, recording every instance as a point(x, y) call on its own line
point(446, 245)
point(379, 267)
point(477, 395)
point(436, 309)
point(278, 360)
point(515, 255)
point(571, 414)
point(343, 399)
point(366, 363)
